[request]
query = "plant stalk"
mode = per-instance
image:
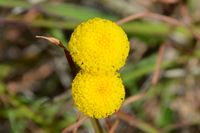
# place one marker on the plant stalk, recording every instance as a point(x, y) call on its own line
point(96, 125)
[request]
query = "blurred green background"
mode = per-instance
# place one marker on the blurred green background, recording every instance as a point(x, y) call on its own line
point(35, 78)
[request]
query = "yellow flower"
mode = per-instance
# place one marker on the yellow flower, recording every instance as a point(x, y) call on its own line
point(99, 45)
point(97, 95)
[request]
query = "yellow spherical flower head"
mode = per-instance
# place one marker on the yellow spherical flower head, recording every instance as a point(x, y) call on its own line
point(97, 95)
point(99, 45)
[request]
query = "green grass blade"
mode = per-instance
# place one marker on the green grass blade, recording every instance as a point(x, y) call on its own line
point(65, 10)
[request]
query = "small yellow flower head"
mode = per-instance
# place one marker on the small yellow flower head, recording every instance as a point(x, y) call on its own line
point(97, 95)
point(99, 45)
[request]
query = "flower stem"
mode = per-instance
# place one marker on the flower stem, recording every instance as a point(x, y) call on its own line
point(57, 42)
point(96, 125)
point(70, 62)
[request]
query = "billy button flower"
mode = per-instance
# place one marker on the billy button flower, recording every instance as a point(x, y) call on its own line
point(97, 95)
point(99, 45)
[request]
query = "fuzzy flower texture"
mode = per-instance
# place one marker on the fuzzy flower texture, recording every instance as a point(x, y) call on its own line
point(100, 47)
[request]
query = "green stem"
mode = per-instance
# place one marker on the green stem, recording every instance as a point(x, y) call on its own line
point(96, 125)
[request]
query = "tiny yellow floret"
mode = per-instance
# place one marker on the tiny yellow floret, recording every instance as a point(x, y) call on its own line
point(99, 45)
point(97, 96)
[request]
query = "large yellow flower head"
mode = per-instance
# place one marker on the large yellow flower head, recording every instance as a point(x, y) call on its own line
point(97, 95)
point(99, 45)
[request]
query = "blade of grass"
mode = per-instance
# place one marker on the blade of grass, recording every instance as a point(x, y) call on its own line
point(133, 72)
point(4, 70)
point(146, 66)
point(60, 9)
point(146, 29)
point(132, 121)
point(24, 110)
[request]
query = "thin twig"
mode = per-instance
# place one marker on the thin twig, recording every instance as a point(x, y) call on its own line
point(57, 42)
point(186, 15)
point(159, 60)
point(164, 18)
point(53, 40)
point(71, 63)
point(114, 127)
point(108, 123)
point(150, 14)
point(75, 125)
point(132, 121)
point(78, 118)
point(168, 1)
point(134, 98)
point(179, 124)
point(127, 118)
